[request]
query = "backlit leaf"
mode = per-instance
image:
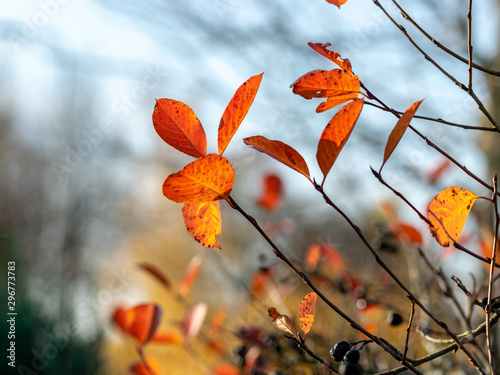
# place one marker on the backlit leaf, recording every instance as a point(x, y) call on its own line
point(434, 174)
point(225, 369)
point(206, 179)
point(312, 256)
point(307, 309)
point(336, 134)
point(120, 318)
point(190, 275)
point(399, 130)
point(236, 110)
point(142, 321)
point(282, 322)
point(331, 55)
point(260, 281)
point(448, 212)
point(337, 85)
point(156, 273)
point(406, 233)
point(217, 321)
point(272, 191)
point(192, 322)
point(333, 257)
point(336, 2)
point(166, 337)
point(279, 151)
point(178, 125)
point(140, 368)
point(203, 221)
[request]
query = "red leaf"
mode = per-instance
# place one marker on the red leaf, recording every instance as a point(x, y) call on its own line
point(142, 321)
point(157, 273)
point(334, 258)
point(336, 134)
point(236, 110)
point(190, 275)
point(336, 2)
point(166, 337)
point(140, 368)
point(399, 130)
point(260, 280)
point(279, 151)
point(178, 125)
point(203, 221)
point(225, 369)
point(271, 194)
point(438, 171)
point(406, 233)
point(120, 318)
point(206, 179)
point(307, 309)
point(193, 320)
point(331, 55)
point(312, 256)
point(337, 85)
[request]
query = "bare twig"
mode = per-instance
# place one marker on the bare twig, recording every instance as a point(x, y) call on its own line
point(469, 44)
point(306, 349)
point(408, 328)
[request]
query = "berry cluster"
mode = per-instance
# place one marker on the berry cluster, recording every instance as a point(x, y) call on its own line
point(348, 356)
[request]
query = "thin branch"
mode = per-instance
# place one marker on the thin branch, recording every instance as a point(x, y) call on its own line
point(469, 44)
point(487, 308)
point(479, 103)
point(441, 46)
point(306, 349)
point(408, 328)
point(464, 289)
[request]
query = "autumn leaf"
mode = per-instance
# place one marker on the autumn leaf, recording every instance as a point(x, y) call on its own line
point(283, 322)
point(192, 322)
point(337, 85)
point(260, 281)
point(236, 110)
point(307, 309)
point(217, 322)
point(190, 275)
point(399, 130)
point(312, 256)
point(156, 273)
point(142, 321)
point(120, 317)
point(139, 368)
point(336, 2)
point(448, 212)
point(225, 369)
point(206, 179)
point(331, 55)
point(166, 337)
point(438, 171)
point(279, 151)
point(178, 125)
point(336, 134)
point(203, 221)
point(406, 233)
point(272, 191)
point(333, 257)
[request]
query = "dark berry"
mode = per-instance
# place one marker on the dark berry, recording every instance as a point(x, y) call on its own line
point(394, 318)
point(339, 350)
point(350, 369)
point(352, 356)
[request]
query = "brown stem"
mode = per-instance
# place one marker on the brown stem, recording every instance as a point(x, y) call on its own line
point(306, 349)
point(408, 328)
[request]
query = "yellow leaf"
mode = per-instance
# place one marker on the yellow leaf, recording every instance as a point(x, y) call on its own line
point(307, 309)
point(448, 212)
point(203, 221)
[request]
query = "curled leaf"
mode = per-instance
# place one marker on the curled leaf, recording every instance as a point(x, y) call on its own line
point(178, 125)
point(206, 179)
point(203, 221)
point(283, 322)
point(331, 55)
point(142, 321)
point(448, 212)
point(236, 110)
point(279, 151)
point(307, 309)
point(156, 273)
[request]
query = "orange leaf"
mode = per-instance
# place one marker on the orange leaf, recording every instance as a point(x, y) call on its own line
point(336, 2)
point(337, 85)
point(336, 134)
point(157, 273)
point(120, 318)
point(178, 125)
point(190, 275)
point(142, 321)
point(312, 256)
point(282, 322)
point(448, 212)
point(331, 55)
point(260, 280)
point(399, 130)
point(406, 233)
point(140, 369)
point(192, 322)
point(334, 258)
point(438, 171)
point(236, 110)
point(206, 179)
point(166, 337)
point(272, 192)
point(307, 309)
point(217, 321)
point(225, 369)
point(279, 151)
point(203, 221)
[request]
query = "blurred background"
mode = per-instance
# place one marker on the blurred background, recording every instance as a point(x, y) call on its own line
point(81, 167)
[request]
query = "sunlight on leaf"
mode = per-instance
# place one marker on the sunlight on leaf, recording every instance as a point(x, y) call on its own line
point(225, 369)
point(272, 192)
point(307, 309)
point(399, 130)
point(140, 369)
point(331, 55)
point(206, 179)
point(336, 134)
point(236, 110)
point(337, 85)
point(312, 256)
point(282, 322)
point(279, 151)
point(178, 125)
point(142, 321)
point(192, 322)
point(190, 275)
point(203, 221)
point(337, 2)
point(448, 212)
point(166, 337)
point(404, 232)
